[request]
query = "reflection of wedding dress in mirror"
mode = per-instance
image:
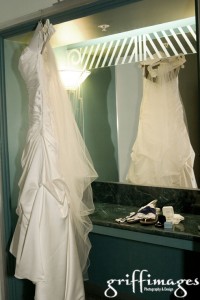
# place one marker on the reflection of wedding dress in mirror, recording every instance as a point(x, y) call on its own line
point(51, 242)
point(162, 154)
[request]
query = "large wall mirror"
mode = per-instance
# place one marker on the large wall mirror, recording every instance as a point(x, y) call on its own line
point(111, 45)
point(114, 46)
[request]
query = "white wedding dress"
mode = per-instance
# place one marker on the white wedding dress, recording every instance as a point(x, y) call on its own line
point(50, 242)
point(162, 154)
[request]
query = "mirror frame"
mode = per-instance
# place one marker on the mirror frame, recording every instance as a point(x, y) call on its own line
point(82, 10)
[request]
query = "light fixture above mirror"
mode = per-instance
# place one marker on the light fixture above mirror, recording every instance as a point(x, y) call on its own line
point(73, 78)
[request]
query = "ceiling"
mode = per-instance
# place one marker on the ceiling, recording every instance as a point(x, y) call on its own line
point(141, 13)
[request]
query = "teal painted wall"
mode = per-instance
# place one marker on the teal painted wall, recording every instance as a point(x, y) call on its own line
point(17, 123)
point(17, 115)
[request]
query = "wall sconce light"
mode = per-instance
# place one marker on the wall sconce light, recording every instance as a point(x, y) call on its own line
point(73, 78)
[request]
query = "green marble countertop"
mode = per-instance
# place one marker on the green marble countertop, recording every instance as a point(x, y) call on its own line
point(105, 215)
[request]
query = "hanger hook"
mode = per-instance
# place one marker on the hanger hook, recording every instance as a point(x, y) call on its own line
point(42, 20)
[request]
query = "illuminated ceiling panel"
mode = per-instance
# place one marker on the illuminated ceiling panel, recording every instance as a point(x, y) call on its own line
point(171, 38)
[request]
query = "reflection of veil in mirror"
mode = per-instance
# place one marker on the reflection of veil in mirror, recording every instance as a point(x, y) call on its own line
point(76, 99)
point(162, 154)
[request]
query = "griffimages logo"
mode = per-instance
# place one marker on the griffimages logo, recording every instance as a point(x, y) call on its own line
point(142, 280)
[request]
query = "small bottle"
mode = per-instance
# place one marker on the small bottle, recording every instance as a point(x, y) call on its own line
point(168, 212)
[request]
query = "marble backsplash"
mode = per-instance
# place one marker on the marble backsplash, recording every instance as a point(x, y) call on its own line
point(183, 200)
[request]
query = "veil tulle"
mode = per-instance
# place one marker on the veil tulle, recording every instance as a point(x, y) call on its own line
point(75, 163)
